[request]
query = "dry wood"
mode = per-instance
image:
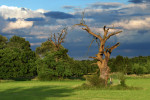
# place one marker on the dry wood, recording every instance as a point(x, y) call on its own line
point(103, 55)
point(57, 40)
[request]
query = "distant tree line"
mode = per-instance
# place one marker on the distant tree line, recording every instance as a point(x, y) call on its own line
point(18, 61)
point(136, 65)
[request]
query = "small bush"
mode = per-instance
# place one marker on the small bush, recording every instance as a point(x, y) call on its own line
point(44, 76)
point(95, 81)
point(121, 77)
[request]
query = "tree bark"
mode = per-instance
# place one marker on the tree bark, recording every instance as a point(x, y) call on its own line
point(104, 53)
point(104, 71)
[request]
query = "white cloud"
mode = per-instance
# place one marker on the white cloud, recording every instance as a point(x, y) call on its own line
point(42, 37)
point(132, 36)
point(34, 44)
point(135, 9)
point(15, 12)
point(134, 24)
point(41, 11)
point(101, 31)
point(142, 6)
point(46, 30)
point(28, 37)
point(37, 32)
point(17, 25)
point(73, 21)
point(19, 14)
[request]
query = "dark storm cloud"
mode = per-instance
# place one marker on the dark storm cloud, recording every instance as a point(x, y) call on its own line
point(12, 19)
point(143, 31)
point(80, 50)
point(104, 17)
point(3, 23)
point(130, 50)
point(139, 1)
point(136, 1)
point(135, 46)
point(42, 23)
point(58, 15)
point(35, 19)
point(21, 32)
point(133, 49)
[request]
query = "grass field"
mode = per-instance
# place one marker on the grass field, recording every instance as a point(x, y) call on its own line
point(64, 90)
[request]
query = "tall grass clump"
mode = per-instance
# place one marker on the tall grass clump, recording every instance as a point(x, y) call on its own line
point(92, 82)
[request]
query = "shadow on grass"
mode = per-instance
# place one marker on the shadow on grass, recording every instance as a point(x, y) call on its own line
point(35, 93)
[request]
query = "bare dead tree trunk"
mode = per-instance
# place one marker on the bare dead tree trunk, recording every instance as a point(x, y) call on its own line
point(103, 55)
point(104, 71)
point(58, 39)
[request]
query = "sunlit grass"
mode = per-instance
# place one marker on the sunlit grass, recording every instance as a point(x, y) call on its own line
point(64, 90)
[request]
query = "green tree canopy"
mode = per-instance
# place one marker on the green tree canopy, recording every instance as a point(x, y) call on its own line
point(3, 41)
point(17, 59)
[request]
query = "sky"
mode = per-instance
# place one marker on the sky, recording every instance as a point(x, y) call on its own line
point(35, 20)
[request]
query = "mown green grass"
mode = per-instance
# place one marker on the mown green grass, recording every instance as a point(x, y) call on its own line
point(64, 90)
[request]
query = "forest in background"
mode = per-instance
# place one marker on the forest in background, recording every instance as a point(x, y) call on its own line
point(19, 62)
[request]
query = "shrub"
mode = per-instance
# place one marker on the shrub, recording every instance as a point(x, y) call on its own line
point(46, 76)
point(95, 81)
point(121, 77)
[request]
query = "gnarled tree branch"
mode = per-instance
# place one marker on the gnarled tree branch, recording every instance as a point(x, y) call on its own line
point(89, 30)
point(113, 33)
point(57, 40)
point(108, 51)
point(113, 47)
point(99, 59)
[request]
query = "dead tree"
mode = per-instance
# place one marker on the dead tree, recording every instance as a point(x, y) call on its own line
point(104, 53)
point(57, 39)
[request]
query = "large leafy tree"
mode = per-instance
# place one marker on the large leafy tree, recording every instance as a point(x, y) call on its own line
point(17, 59)
point(54, 65)
point(54, 61)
